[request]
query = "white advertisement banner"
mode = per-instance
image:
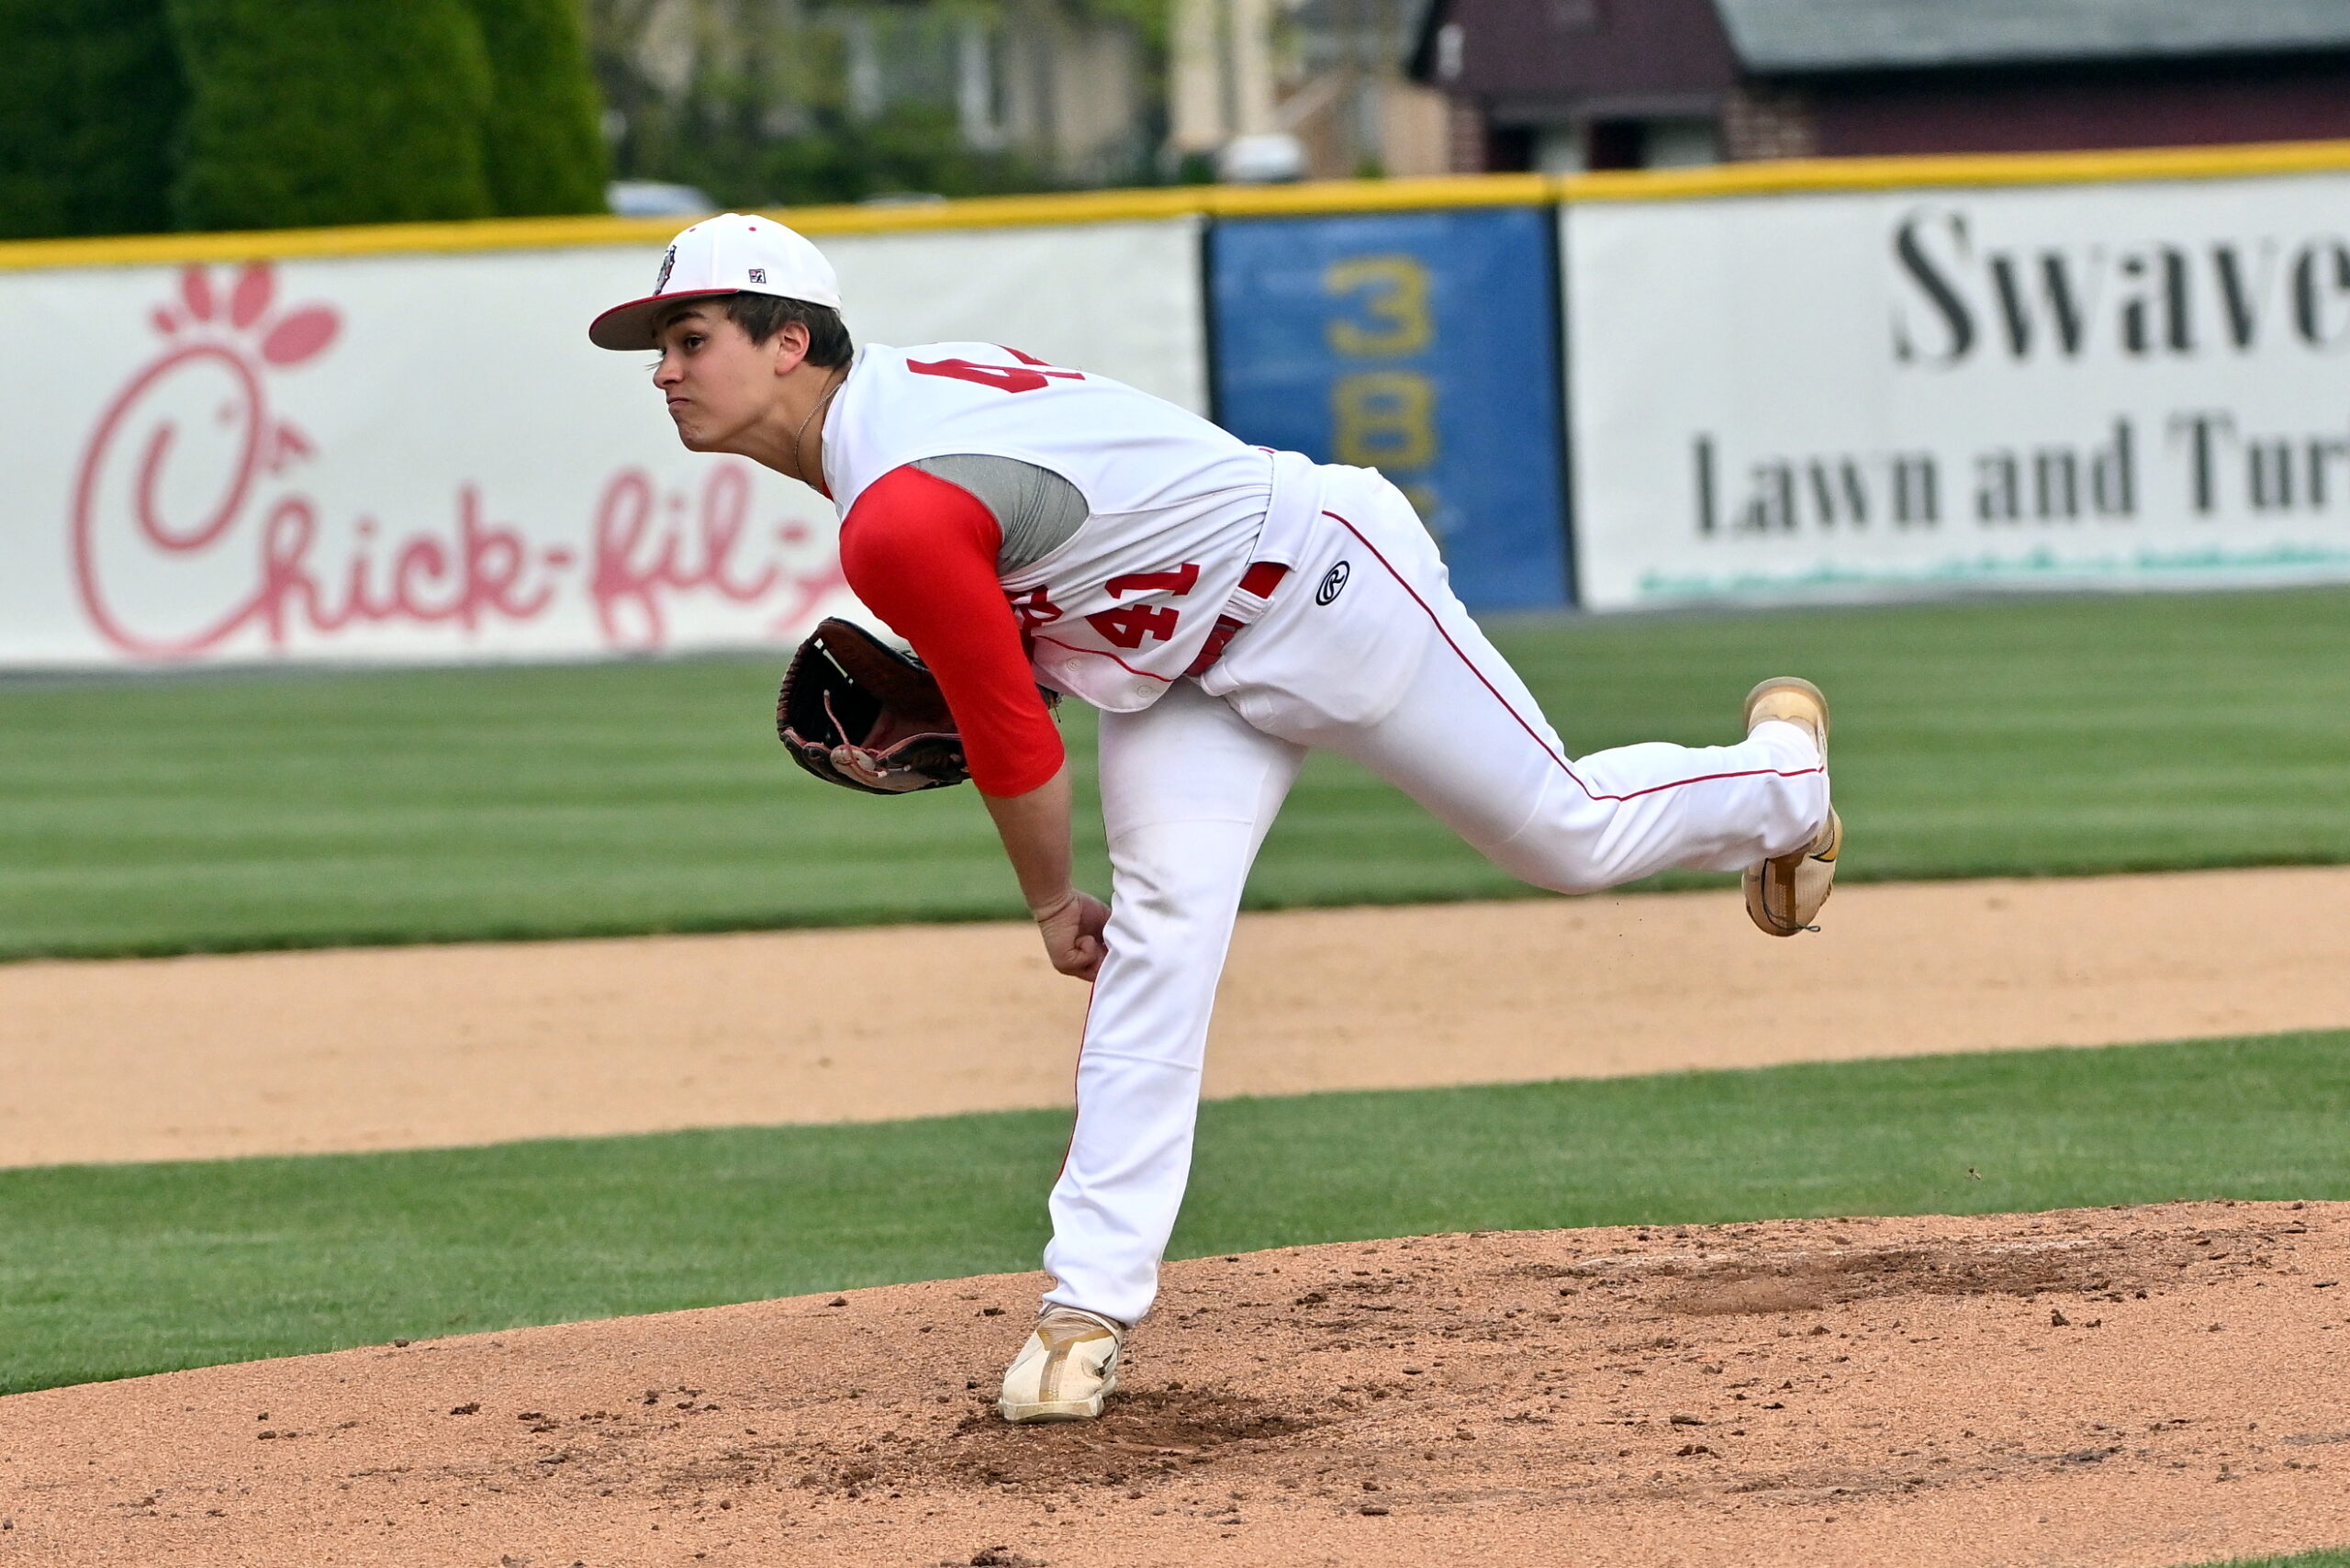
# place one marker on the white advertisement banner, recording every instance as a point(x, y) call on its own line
point(420, 458)
point(1846, 395)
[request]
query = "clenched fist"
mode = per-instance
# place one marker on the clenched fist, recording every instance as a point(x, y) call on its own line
point(1072, 931)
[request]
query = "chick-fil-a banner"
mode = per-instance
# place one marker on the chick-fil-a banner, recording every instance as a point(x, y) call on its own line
point(420, 457)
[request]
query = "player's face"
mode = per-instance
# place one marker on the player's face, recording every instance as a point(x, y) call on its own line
point(719, 384)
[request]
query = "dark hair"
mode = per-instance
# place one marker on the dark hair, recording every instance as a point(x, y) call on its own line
point(762, 316)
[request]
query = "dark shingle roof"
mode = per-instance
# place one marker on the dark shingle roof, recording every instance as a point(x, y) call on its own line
point(1848, 35)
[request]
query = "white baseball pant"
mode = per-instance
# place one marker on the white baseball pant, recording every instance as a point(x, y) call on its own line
point(1389, 670)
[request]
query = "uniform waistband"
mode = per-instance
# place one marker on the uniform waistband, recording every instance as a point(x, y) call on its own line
point(1290, 512)
point(1258, 583)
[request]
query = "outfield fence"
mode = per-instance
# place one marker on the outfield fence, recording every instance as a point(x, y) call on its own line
point(1827, 379)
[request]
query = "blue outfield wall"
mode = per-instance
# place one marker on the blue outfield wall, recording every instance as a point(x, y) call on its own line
point(1425, 344)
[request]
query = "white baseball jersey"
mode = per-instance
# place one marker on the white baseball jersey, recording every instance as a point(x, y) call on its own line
point(1118, 612)
point(1361, 649)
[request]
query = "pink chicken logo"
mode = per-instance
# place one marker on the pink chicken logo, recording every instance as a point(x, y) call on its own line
point(193, 535)
point(181, 496)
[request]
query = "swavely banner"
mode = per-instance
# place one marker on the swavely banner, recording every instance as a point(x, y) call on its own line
point(419, 458)
point(1844, 395)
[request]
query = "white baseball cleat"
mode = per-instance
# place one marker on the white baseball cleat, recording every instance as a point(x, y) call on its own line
point(1784, 896)
point(1065, 1371)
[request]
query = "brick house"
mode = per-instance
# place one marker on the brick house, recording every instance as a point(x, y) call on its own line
point(1563, 85)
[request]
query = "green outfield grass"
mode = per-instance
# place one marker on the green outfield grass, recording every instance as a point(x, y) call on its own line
point(114, 1270)
point(293, 809)
point(2303, 1560)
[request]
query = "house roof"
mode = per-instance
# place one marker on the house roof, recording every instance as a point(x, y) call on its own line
point(1797, 36)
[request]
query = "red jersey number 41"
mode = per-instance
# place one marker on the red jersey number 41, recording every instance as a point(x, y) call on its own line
point(1028, 376)
point(1131, 625)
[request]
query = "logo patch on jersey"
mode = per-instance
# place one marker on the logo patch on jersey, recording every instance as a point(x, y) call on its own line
point(668, 260)
point(1334, 583)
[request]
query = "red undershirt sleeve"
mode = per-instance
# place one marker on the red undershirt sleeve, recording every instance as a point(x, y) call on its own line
point(920, 551)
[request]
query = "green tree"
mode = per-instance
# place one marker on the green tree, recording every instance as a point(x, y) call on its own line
point(542, 138)
point(91, 95)
point(331, 111)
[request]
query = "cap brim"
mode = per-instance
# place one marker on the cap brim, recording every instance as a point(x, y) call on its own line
point(630, 326)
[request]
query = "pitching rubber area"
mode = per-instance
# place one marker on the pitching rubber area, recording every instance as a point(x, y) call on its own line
point(2105, 1388)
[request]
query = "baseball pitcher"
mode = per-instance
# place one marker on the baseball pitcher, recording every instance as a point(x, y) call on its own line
point(1033, 531)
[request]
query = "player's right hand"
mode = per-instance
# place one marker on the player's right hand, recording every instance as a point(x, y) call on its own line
point(1072, 932)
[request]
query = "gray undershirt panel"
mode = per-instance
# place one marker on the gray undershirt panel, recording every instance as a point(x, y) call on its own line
point(1036, 509)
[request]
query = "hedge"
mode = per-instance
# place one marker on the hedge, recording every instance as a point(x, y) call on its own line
point(306, 112)
point(133, 116)
point(91, 96)
point(542, 137)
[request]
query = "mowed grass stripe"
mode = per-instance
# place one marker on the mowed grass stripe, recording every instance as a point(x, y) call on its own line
point(2024, 737)
point(115, 1271)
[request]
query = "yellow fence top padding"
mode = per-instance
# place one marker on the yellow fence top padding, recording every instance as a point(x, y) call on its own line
point(1213, 201)
point(1966, 169)
point(984, 212)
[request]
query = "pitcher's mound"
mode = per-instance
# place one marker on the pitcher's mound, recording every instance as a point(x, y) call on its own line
point(2133, 1386)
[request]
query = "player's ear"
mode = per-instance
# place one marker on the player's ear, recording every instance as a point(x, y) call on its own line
point(791, 340)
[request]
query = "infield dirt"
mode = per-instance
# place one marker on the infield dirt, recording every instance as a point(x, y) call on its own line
point(402, 1047)
point(2147, 1386)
